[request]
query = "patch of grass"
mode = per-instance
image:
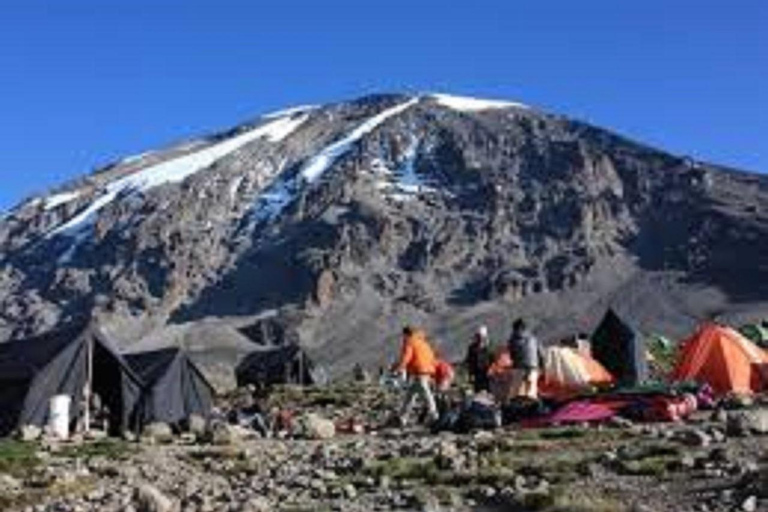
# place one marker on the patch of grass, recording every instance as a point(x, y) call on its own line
point(30, 496)
point(652, 460)
point(404, 468)
point(114, 449)
point(222, 453)
point(566, 499)
point(565, 433)
point(649, 466)
point(289, 507)
point(559, 464)
point(571, 501)
point(17, 458)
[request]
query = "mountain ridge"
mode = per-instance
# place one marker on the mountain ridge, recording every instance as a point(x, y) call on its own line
point(347, 219)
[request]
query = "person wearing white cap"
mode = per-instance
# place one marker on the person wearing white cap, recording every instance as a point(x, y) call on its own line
point(479, 359)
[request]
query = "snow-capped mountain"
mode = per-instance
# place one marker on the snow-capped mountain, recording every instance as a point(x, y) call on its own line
point(343, 221)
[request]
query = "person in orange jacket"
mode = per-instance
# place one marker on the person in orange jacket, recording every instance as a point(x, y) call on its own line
point(417, 361)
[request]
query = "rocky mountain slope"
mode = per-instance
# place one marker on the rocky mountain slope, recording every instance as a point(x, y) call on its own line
point(340, 222)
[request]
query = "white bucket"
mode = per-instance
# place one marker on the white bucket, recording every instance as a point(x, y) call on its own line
point(58, 418)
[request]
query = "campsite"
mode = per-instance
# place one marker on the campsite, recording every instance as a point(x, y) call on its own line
point(606, 435)
point(383, 256)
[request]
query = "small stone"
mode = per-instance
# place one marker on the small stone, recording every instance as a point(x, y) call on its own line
point(447, 456)
point(220, 433)
point(30, 433)
point(619, 422)
point(718, 435)
point(695, 437)
point(719, 416)
point(196, 425)
point(749, 504)
point(688, 462)
point(257, 504)
point(726, 495)
point(609, 457)
point(8, 484)
point(720, 455)
point(350, 492)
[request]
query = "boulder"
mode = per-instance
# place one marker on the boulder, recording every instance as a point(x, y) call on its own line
point(157, 433)
point(197, 425)
point(749, 504)
point(257, 504)
point(221, 433)
point(314, 426)
point(749, 421)
point(448, 456)
point(8, 484)
point(30, 433)
point(148, 498)
point(695, 437)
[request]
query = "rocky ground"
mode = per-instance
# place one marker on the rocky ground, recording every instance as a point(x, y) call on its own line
point(715, 461)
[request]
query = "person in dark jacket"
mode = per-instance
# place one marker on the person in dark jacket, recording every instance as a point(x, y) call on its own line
point(525, 352)
point(479, 359)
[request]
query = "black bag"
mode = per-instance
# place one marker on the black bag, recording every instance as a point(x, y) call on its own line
point(479, 416)
point(522, 409)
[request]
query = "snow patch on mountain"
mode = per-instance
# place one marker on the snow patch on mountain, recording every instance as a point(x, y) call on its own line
point(279, 194)
point(290, 111)
point(234, 188)
point(402, 184)
point(469, 104)
point(135, 158)
point(323, 160)
point(56, 200)
point(178, 169)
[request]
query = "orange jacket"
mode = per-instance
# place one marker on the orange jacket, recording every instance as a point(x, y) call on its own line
point(416, 356)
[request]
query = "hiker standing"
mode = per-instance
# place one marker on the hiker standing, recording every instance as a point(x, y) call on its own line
point(526, 359)
point(478, 360)
point(417, 361)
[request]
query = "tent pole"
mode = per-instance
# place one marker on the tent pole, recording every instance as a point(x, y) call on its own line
point(301, 368)
point(88, 385)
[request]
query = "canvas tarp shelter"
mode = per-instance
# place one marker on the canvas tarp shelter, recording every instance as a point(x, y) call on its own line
point(620, 349)
point(34, 370)
point(724, 359)
point(174, 388)
point(286, 364)
point(568, 371)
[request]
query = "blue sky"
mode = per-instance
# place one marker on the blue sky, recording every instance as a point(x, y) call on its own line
point(86, 82)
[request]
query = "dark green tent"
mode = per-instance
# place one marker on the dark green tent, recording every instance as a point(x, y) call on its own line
point(621, 349)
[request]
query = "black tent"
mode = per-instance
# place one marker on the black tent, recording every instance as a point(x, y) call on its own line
point(286, 364)
point(34, 370)
point(621, 349)
point(271, 332)
point(174, 389)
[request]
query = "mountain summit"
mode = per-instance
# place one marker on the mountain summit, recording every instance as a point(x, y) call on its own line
point(343, 221)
